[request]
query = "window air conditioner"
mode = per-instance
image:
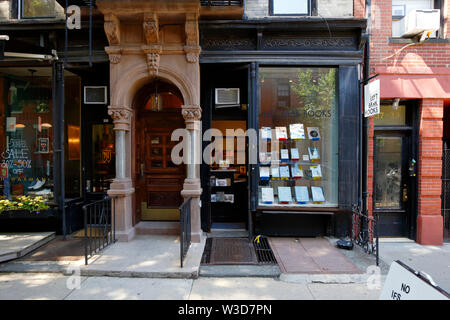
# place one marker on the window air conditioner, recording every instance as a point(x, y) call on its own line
point(227, 97)
point(419, 21)
point(95, 95)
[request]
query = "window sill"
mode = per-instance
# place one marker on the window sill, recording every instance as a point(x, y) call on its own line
point(395, 40)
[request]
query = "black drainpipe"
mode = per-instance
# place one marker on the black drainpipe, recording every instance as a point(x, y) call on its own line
point(365, 121)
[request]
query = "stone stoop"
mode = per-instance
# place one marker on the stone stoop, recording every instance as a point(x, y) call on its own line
point(157, 228)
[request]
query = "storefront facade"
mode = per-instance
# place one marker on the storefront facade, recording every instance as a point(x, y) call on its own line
point(45, 115)
point(299, 91)
point(167, 60)
point(406, 141)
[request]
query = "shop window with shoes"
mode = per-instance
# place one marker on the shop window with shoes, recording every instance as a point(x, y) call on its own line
point(26, 133)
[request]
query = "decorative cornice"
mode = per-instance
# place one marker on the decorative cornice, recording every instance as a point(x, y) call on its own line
point(270, 42)
point(192, 47)
point(121, 116)
point(229, 43)
point(192, 53)
point(112, 29)
point(151, 28)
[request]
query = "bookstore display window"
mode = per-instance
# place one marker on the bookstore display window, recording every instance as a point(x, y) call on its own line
point(26, 132)
point(298, 138)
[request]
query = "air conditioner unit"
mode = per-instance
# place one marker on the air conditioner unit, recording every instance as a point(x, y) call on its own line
point(95, 94)
point(419, 21)
point(227, 97)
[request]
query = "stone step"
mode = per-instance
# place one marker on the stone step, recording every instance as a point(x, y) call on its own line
point(158, 228)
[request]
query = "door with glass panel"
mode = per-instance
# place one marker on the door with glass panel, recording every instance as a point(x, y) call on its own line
point(392, 196)
point(158, 179)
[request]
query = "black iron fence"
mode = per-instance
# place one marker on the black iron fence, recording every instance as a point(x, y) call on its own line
point(185, 228)
point(99, 226)
point(365, 231)
point(216, 3)
point(446, 191)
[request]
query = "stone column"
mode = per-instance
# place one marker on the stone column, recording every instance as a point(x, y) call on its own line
point(122, 187)
point(192, 185)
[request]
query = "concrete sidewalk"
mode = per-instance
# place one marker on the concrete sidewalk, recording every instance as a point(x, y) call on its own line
point(59, 287)
point(150, 256)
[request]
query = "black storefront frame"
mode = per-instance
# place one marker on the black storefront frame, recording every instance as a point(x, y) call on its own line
point(347, 61)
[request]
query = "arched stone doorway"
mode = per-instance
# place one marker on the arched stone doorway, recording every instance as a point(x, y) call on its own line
point(145, 46)
point(158, 180)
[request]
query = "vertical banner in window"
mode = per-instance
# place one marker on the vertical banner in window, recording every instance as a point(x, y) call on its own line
point(372, 98)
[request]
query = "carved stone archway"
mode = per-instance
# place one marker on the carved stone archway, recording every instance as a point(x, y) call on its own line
point(149, 39)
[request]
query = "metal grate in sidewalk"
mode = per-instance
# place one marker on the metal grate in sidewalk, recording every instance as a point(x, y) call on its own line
point(263, 251)
point(237, 251)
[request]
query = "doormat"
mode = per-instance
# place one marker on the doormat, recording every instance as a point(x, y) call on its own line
point(236, 251)
point(58, 249)
point(93, 232)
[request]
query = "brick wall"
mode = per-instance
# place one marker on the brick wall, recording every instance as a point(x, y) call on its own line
point(386, 54)
point(429, 220)
point(403, 59)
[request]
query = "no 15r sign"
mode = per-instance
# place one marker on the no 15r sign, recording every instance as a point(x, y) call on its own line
point(403, 283)
point(372, 98)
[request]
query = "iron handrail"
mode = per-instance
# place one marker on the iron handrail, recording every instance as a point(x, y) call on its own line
point(365, 231)
point(185, 228)
point(99, 225)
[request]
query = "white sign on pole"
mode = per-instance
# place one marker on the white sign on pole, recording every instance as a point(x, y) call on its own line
point(403, 283)
point(372, 98)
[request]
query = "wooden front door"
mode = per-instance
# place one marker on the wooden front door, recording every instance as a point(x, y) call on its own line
point(158, 180)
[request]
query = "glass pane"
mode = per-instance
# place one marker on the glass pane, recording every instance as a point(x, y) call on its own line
point(298, 150)
point(72, 114)
point(103, 156)
point(155, 140)
point(157, 164)
point(156, 151)
point(290, 7)
point(38, 8)
point(388, 173)
point(389, 116)
point(26, 133)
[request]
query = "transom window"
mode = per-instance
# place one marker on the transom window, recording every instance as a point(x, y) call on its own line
point(290, 7)
point(28, 9)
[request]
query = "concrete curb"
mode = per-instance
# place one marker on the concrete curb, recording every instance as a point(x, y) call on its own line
point(328, 278)
point(68, 269)
point(244, 271)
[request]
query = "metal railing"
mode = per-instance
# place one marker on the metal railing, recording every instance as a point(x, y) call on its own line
point(99, 226)
point(365, 231)
point(185, 228)
point(445, 197)
point(216, 3)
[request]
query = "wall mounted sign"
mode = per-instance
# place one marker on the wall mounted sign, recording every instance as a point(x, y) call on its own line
point(372, 98)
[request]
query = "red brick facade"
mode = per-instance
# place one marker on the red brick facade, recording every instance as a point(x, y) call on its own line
point(420, 72)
